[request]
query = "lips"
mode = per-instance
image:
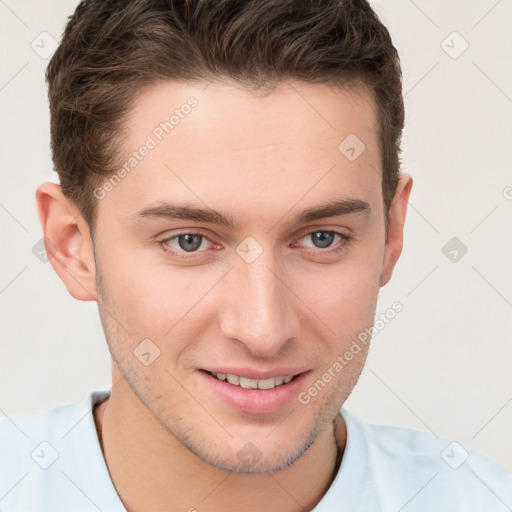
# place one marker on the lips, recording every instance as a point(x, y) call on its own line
point(252, 373)
point(249, 394)
point(247, 383)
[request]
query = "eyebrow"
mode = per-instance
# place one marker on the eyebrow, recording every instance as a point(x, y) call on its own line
point(208, 215)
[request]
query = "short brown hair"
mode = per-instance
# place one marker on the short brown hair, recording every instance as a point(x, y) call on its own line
point(111, 49)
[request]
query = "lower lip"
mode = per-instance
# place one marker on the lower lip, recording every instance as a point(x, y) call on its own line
point(255, 401)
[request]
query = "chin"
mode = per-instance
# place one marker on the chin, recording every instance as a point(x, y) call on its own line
point(252, 458)
point(266, 464)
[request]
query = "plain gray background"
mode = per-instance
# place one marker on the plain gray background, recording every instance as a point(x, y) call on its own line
point(443, 365)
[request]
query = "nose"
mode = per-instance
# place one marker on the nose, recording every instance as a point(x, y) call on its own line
point(259, 309)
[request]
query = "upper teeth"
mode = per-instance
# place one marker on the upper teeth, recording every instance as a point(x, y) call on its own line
point(247, 383)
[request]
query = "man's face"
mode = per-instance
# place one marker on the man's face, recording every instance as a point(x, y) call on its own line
point(271, 295)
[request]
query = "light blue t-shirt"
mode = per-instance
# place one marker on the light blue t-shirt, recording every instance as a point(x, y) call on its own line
point(52, 462)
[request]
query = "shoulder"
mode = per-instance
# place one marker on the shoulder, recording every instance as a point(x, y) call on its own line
point(40, 454)
point(22, 431)
point(408, 464)
point(21, 435)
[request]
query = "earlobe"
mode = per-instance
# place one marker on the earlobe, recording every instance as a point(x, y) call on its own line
point(67, 241)
point(397, 214)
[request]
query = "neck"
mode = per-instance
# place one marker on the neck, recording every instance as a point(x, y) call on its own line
point(160, 473)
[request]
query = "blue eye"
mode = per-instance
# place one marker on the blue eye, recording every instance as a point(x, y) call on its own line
point(187, 242)
point(190, 245)
point(323, 239)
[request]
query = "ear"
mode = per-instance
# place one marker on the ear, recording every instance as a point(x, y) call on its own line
point(397, 213)
point(67, 241)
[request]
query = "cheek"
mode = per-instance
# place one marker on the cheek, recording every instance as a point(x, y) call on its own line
point(139, 294)
point(342, 295)
point(154, 299)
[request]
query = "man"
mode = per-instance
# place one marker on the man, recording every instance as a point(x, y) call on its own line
point(230, 195)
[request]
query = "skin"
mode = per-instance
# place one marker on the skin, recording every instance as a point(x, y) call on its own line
point(262, 158)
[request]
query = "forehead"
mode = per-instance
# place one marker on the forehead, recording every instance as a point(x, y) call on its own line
point(227, 146)
point(293, 112)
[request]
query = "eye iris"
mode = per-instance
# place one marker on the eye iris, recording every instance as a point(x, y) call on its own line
point(191, 242)
point(324, 238)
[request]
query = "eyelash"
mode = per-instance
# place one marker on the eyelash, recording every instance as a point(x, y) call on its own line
point(345, 240)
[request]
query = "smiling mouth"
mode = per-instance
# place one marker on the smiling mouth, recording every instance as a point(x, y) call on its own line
point(246, 383)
